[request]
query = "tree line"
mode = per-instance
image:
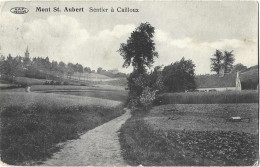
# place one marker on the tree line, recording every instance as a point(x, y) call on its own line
point(139, 52)
point(39, 67)
point(36, 67)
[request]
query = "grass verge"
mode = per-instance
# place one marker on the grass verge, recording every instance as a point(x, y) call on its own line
point(30, 133)
point(141, 144)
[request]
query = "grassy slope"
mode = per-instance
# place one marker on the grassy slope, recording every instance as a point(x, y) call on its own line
point(149, 140)
point(32, 124)
point(112, 95)
point(69, 87)
point(29, 81)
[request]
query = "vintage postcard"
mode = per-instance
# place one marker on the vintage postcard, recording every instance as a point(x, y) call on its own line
point(120, 83)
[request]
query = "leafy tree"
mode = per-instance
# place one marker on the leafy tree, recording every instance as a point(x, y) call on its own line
point(139, 50)
point(238, 67)
point(179, 76)
point(220, 61)
point(228, 61)
point(87, 69)
point(216, 61)
point(2, 61)
point(70, 69)
point(11, 67)
point(99, 70)
point(79, 68)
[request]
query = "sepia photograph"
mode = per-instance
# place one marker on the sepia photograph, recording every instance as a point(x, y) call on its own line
point(129, 83)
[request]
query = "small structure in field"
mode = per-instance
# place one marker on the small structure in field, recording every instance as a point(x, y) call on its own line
point(238, 119)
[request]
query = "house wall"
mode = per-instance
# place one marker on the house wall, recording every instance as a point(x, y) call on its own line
point(217, 89)
point(238, 83)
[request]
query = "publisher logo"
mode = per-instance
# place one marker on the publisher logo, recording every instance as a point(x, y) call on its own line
point(19, 10)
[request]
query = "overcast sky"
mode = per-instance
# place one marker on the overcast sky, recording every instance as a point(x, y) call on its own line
point(193, 30)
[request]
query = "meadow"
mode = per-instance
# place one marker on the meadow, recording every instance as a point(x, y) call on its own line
point(29, 81)
point(245, 96)
point(111, 95)
point(197, 134)
point(33, 124)
point(72, 87)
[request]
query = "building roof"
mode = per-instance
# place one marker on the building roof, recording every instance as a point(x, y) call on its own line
point(251, 75)
point(214, 81)
point(228, 80)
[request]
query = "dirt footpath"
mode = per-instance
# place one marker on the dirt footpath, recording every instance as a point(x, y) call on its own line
point(99, 146)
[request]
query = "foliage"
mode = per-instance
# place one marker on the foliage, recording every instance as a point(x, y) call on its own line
point(99, 70)
point(238, 67)
point(147, 97)
point(216, 61)
point(11, 67)
point(36, 67)
point(143, 88)
point(87, 69)
point(139, 50)
point(220, 61)
point(179, 76)
point(228, 61)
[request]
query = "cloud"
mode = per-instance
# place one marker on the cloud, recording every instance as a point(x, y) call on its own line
point(117, 32)
point(63, 38)
point(171, 50)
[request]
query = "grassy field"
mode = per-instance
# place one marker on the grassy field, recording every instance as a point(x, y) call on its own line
point(29, 81)
point(32, 124)
point(192, 134)
point(111, 95)
point(99, 91)
point(209, 97)
point(72, 87)
point(117, 82)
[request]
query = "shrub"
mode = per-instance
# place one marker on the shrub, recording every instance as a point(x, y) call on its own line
point(65, 83)
point(57, 83)
point(143, 88)
point(147, 97)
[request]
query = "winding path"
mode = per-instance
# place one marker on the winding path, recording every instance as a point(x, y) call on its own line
point(99, 147)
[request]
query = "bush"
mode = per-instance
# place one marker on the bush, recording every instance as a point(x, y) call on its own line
point(143, 88)
point(65, 83)
point(147, 97)
point(57, 83)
